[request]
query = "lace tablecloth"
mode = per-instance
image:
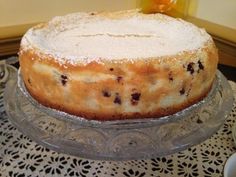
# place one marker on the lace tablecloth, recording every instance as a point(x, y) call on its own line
point(20, 157)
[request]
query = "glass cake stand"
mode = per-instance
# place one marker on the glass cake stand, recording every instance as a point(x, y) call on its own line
point(122, 139)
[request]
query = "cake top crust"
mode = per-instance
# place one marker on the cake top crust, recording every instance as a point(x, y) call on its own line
point(131, 35)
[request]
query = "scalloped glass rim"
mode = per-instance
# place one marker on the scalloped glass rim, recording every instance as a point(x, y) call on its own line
point(114, 123)
point(234, 133)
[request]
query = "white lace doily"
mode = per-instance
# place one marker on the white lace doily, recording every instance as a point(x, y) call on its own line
point(20, 157)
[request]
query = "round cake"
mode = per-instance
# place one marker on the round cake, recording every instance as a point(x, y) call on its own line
point(117, 65)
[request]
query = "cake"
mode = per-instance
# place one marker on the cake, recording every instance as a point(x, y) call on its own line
point(117, 65)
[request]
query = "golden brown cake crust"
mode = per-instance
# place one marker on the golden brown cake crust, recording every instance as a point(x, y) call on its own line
point(120, 89)
point(139, 78)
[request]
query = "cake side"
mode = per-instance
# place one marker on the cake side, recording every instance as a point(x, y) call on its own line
point(110, 90)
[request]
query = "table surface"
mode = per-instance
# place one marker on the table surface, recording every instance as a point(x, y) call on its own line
point(20, 156)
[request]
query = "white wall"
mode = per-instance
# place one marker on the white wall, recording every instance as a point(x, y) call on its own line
point(23, 13)
point(221, 12)
point(18, 12)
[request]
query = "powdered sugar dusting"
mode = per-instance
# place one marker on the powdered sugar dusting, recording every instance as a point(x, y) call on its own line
point(82, 38)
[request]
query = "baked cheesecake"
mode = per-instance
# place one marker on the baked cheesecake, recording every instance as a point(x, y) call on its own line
point(117, 65)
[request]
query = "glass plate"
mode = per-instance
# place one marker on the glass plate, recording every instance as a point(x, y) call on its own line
point(121, 139)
